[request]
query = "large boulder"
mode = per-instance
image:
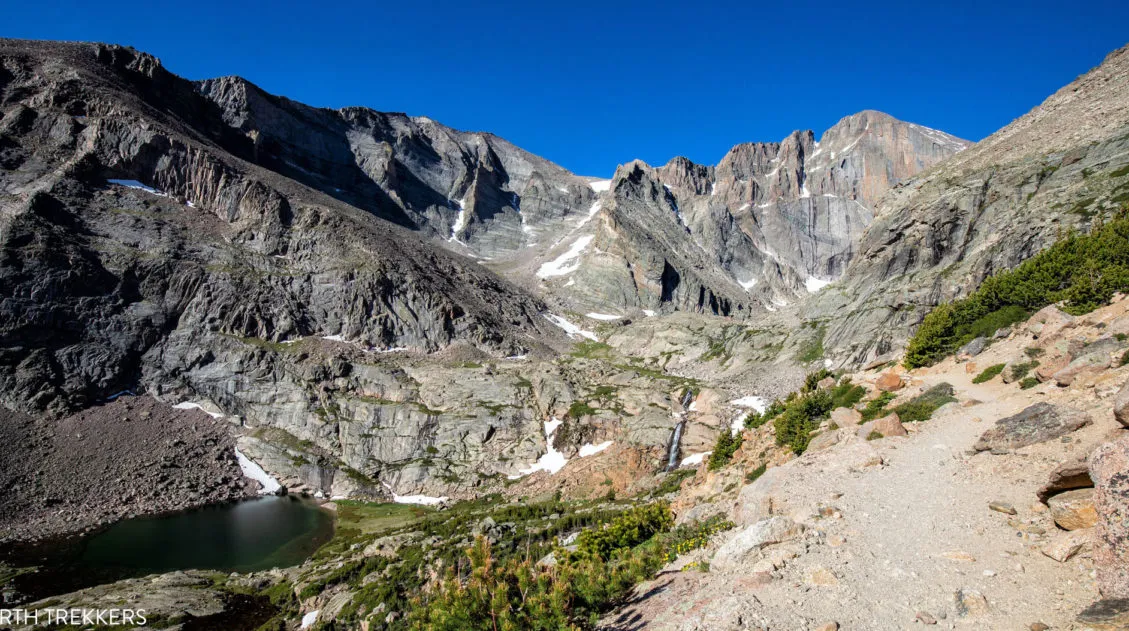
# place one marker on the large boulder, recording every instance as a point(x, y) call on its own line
point(734, 552)
point(1074, 510)
point(1109, 468)
point(1072, 474)
point(889, 381)
point(1089, 363)
point(825, 440)
point(1121, 405)
point(846, 417)
point(1035, 424)
point(973, 348)
point(1048, 366)
point(889, 425)
point(1049, 321)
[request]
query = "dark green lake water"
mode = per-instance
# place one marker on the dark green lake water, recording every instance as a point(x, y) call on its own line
point(244, 536)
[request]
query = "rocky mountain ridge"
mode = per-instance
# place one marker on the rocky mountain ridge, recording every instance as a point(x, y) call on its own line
point(987, 209)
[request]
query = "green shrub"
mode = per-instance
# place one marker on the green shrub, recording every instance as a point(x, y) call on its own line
point(752, 476)
point(1034, 351)
point(1028, 382)
point(801, 416)
point(755, 419)
point(921, 407)
point(874, 435)
point(876, 408)
point(811, 381)
point(628, 530)
point(1081, 271)
point(846, 395)
point(1124, 359)
point(1020, 370)
point(672, 482)
point(988, 373)
point(723, 450)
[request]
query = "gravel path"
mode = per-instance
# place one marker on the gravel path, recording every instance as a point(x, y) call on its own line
point(905, 537)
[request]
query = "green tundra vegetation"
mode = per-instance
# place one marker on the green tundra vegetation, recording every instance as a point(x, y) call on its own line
point(488, 593)
point(483, 564)
point(1081, 271)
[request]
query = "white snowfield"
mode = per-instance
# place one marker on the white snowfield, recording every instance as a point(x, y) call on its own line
point(189, 405)
point(568, 262)
point(139, 186)
point(309, 619)
point(814, 284)
point(552, 461)
point(694, 459)
point(752, 401)
point(252, 470)
point(422, 500)
point(601, 186)
point(590, 450)
point(603, 316)
point(460, 221)
point(571, 329)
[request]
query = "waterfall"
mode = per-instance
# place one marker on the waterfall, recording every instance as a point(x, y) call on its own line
point(673, 448)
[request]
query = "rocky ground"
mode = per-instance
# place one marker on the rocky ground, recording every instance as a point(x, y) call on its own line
point(132, 456)
point(945, 525)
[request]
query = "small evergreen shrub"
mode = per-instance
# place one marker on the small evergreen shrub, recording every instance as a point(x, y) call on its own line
point(846, 395)
point(876, 408)
point(921, 407)
point(988, 373)
point(1028, 382)
point(723, 450)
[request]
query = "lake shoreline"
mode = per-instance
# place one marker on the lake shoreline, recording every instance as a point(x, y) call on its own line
point(134, 456)
point(260, 533)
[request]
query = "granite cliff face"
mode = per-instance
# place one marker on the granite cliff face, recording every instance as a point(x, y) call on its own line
point(937, 236)
point(771, 223)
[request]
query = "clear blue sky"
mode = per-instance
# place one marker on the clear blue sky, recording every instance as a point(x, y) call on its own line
point(593, 85)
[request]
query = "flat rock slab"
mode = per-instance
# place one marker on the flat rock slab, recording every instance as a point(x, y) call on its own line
point(1106, 614)
point(1038, 423)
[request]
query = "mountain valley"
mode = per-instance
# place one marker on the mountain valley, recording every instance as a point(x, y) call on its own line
point(210, 293)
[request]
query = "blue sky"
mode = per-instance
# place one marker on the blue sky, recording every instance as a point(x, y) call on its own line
point(593, 85)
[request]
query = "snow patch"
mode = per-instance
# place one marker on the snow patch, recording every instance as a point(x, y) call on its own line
point(747, 284)
point(602, 316)
point(649, 313)
point(751, 401)
point(252, 470)
point(189, 405)
point(422, 500)
point(743, 207)
point(139, 186)
point(566, 263)
point(460, 221)
point(814, 284)
point(694, 459)
point(552, 461)
point(334, 338)
point(601, 186)
point(570, 328)
point(309, 619)
point(590, 450)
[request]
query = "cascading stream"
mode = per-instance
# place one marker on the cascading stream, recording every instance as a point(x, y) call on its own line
point(673, 449)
